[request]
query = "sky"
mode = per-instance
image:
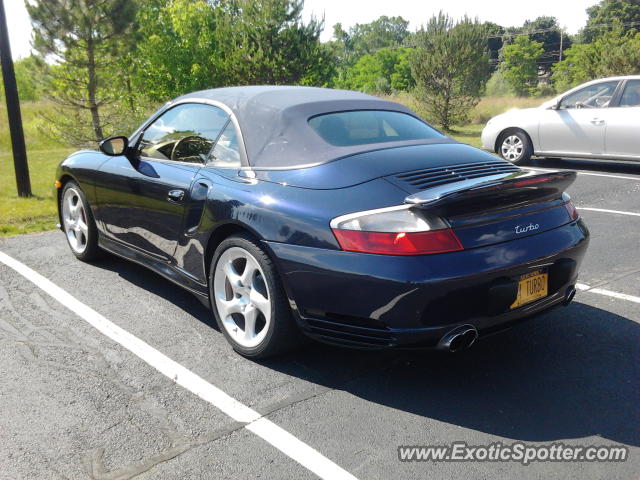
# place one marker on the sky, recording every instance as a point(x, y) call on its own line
point(570, 14)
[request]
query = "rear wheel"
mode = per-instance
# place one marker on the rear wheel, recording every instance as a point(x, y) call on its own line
point(248, 301)
point(78, 223)
point(515, 146)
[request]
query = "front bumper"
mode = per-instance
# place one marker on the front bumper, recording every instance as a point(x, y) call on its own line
point(380, 301)
point(488, 137)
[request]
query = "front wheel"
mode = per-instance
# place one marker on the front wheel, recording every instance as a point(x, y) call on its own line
point(78, 223)
point(515, 147)
point(248, 301)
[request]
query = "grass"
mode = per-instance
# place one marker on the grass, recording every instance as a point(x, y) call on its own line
point(468, 134)
point(489, 107)
point(38, 213)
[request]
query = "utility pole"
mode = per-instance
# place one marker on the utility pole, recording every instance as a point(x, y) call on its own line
point(13, 110)
point(560, 58)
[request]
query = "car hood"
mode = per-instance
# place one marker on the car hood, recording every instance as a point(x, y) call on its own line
point(363, 167)
point(515, 113)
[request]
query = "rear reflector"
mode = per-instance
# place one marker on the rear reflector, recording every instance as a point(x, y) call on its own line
point(573, 213)
point(410, 243)
point(532, 181)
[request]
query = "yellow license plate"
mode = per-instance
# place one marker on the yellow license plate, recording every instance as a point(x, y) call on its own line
point(531, 287)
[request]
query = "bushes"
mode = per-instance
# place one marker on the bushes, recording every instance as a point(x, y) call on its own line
point(497, 86)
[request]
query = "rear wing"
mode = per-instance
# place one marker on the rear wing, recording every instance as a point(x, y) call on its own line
point(521, 187)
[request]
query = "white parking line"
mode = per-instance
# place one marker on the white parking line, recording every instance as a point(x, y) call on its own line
point(291, 446)
point(604, 210)
point(608, 293)
point(582, 172)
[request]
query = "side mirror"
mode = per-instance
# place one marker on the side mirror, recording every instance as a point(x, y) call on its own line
point(114, 146)
point(556, 106)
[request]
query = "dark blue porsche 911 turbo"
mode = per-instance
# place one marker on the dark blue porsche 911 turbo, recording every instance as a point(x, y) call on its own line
point(328, 212)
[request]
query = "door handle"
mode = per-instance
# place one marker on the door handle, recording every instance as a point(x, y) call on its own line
point(597, 121)
point(175, 196)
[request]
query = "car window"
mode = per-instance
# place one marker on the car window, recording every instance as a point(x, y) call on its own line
point(631, 94)
point(593, 96)
point(370, 126)
point(226, 153)
point(184, 133)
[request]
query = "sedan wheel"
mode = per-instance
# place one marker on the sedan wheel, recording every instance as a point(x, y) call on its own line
point(78, 224)
point(515, 147)
point(248, 300)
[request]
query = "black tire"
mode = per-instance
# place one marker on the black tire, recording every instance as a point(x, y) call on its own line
point(515, 146)
point(91, 251)
point(282, 334)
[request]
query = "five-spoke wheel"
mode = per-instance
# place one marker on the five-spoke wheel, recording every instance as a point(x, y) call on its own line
point(74, 217)
point(242, 296)
point(78, 223)
point(248, 301)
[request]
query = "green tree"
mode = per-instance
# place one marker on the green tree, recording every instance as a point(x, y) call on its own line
point(365, 39)
point(183, 48)
point(546, 31)
point(612, 53)
point(451, 67)
point(31, 77)
point(604, 17)
point(402, 77)
point(520, 67)
point(197, 44)
point(494, 33)
point(273, 45)
point(382, 32)
point(82, 37)
point(386, 69)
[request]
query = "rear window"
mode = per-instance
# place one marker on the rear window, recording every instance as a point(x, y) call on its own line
point(370, 126)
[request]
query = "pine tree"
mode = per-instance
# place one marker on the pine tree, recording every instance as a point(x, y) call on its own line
point(84, 38)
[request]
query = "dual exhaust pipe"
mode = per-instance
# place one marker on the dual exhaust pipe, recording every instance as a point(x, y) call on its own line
point(458, 339)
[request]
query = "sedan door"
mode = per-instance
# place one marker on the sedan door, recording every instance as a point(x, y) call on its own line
point(578, 125)
point(142, 203)
point(623, 126)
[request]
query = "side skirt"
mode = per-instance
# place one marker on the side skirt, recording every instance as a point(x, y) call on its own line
point(159, 267)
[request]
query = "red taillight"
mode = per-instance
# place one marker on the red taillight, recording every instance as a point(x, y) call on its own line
point(573, 213)
point(410, 243)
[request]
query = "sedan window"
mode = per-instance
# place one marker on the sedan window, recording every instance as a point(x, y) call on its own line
point(184, 133)
point(593, 96)
point(370, 126)
point(631, 95)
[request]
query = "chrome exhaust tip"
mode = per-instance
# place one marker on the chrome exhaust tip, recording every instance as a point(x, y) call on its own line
point(458, 339)
point(571, 292)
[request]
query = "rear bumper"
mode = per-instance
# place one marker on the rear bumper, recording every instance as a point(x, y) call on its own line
point(380, 301)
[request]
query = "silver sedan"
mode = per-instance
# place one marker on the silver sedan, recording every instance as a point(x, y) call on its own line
point(599, 119)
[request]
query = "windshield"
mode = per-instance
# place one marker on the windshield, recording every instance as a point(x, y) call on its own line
point(370, 126)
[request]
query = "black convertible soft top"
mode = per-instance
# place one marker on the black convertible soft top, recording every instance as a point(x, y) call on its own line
point(274, 122)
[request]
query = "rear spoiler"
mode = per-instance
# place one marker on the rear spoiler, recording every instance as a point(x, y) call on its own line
point(526, 184)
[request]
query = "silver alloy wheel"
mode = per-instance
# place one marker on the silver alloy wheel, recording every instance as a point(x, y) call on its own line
point(242, 297)
point(512, 148)
point(74, 218)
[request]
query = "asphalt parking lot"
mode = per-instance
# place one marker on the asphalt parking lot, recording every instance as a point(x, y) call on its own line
point(76, 404)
